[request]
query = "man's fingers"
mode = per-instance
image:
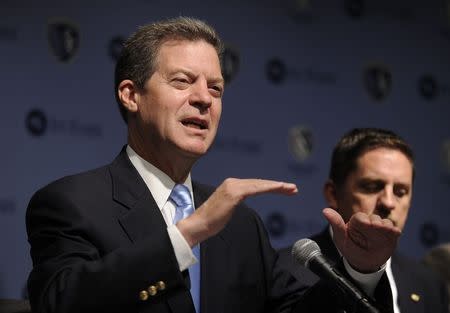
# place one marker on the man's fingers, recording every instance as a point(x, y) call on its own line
point(336, 222)
point(258, 186)
point(333, 217)
point(250, 187)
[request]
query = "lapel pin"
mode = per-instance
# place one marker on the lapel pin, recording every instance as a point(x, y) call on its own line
point(415, 297)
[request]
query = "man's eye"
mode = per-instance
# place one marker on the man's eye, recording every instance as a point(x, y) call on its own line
point(217, 90)
point(370, 187)
point(180, 82)
point(401, 191)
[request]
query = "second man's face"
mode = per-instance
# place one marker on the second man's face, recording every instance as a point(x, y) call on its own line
point(182, 102)
point(381, 184)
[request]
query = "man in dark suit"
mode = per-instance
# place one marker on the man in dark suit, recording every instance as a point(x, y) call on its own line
point(126, 238)
point(372, 171)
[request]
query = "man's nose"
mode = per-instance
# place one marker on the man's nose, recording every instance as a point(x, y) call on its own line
point(387, 199)
point(200, 96)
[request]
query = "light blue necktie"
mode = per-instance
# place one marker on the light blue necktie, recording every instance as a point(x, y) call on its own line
point(181, 197)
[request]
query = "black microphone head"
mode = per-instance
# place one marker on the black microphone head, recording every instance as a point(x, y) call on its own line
point(305, 250)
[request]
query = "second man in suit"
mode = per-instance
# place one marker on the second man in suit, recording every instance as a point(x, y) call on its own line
point(372, 172)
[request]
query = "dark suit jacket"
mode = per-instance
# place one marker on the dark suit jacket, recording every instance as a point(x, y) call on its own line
point(98, 239)
point(410, 278)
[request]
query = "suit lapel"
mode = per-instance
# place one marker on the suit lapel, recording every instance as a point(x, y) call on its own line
point(327, 245)
point(141, 216)
point(409, 292)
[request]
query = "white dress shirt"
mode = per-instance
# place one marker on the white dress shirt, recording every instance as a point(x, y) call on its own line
point(160, 186)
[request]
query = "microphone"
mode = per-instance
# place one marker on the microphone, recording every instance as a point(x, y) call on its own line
point(307, 253)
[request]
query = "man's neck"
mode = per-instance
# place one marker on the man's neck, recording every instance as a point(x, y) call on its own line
point(177, 166)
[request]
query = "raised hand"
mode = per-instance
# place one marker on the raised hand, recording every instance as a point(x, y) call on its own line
point(366, 241)
point(214, 214)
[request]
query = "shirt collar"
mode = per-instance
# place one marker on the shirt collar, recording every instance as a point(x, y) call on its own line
point(158, 182)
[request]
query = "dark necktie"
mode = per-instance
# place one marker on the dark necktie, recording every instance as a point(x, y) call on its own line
point(383, 295)
point(181, 197)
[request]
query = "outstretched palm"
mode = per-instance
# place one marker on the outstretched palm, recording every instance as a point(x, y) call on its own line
point(366, 241)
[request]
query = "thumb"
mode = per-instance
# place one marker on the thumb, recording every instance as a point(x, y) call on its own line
point(337, 224)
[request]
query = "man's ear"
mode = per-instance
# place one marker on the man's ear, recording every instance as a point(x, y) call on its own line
point(330, 194)
point(128, 95)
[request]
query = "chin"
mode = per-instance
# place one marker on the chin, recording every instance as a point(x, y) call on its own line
point(195, 151)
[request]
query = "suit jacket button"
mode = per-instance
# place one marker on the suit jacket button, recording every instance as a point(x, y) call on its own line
point(152, 290)
point(415, 297)
point(143, 295)
point(161, 285)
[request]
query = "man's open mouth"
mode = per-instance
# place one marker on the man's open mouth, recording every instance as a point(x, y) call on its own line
point(195, 123)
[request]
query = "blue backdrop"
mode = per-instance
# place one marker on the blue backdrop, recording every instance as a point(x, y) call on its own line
point(301, 74)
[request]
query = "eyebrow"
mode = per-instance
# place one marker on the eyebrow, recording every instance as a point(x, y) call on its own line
point(191, 74)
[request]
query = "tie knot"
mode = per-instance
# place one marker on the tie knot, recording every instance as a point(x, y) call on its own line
point(181, 195)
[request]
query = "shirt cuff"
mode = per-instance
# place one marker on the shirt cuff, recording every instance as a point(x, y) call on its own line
point(183, 251)
point(368, 282)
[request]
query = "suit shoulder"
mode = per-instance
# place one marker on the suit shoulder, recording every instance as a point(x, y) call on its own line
point(414, 268)
point(76, 183)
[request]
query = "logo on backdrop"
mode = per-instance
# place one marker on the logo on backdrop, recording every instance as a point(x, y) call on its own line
point(230, 63)
point(277, 72)
point(429, 234)
point(300, 146)
point(38, 123)
point(354, 8)
point(8, 33)
point(63, 39)
point(428, 87)
point(115, 47)
point(378, 81)
point(300, 142)
point(7, 206)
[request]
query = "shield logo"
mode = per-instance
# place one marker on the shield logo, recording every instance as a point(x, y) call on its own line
point(36, 122)
point(428, 87)
point(230, 63)
point(64, 40)
point(276, 70)
point(378, 81)
point(300, 142)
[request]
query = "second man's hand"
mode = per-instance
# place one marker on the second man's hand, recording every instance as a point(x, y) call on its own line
point(366, 241)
